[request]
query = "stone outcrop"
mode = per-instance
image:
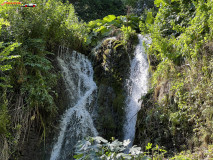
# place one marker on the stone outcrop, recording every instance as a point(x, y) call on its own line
point(112, 64)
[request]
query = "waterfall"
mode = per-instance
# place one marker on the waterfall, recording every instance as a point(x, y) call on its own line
point(77, 121)
point(137, 86)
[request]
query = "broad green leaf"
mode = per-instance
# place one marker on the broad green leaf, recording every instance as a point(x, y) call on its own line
point(109, 18)
point(78, 156)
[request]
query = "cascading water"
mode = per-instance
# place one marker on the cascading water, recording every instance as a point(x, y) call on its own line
point(137, 86)
point(77, 121)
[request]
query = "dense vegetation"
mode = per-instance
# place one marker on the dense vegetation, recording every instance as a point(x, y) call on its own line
point(100, 148)
point(180, 102)
point(96, 9)
point(176, 113)
point(28, 91)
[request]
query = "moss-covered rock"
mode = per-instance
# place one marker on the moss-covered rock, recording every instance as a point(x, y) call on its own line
point(111, 71)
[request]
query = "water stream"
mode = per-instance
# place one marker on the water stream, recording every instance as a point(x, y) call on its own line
point(137, 86)
point(77, 121)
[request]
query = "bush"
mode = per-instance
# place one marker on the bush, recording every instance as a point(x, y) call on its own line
point(99, 148)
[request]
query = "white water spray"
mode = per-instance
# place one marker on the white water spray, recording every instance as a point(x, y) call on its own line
point(77, 122)
point(137, 86)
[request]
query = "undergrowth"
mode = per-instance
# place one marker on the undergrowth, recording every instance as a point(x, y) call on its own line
point(178, 109)
point(100, 148)
point(27, 85)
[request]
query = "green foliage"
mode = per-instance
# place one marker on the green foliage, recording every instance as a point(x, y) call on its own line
point(4, 118)
point(30, 86)
point(97, 9)
point(5, 56)
point(126, 33)
point(57, 25)
point(112, 26)
point(204, 153)
point(175, 27)
point(40, 35)
point(5, 51)
point(99, 148)
point(149, 18)
point(159, 2)
point(182, 79)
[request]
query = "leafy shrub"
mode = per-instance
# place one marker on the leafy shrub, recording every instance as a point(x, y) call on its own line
point(5, 57)
point(111, 26)
point(31, 85)
point(99, 148)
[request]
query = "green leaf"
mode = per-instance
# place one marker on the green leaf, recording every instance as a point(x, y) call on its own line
point(149, 146)
point(109, 18)
point(78, 156)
